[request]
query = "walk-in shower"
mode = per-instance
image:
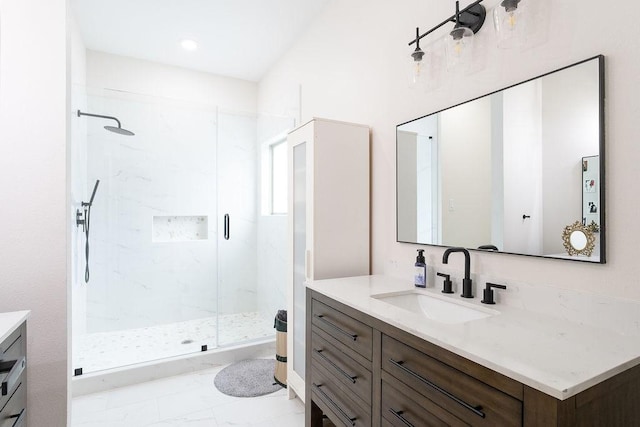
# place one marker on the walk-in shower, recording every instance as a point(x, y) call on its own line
point(165, 281)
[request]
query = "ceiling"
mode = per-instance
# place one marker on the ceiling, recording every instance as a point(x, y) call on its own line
point(236, 38)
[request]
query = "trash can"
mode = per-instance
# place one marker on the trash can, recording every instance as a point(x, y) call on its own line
point(280, 323)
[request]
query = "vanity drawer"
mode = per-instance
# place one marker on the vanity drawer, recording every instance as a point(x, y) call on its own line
point(400, 410)
point(11, 375)
point(354, 378)
point(467, 398)
point(14, 413)
point(336, 403)
point(347, 330)
point(13, 348)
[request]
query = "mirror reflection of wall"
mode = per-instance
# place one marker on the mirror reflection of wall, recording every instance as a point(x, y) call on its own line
point(506, 165)
point(417, 164)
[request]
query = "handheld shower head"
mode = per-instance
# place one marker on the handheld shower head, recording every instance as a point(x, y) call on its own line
point(95, 188)
point(118, 129)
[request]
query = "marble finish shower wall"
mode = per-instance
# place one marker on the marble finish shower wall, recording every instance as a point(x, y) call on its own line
point(168, 169)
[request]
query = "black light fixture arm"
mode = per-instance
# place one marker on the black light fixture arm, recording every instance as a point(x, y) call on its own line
point(80, 113)
point(455, 18)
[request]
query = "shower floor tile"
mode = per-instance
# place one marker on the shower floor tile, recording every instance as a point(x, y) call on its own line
point(106, 350)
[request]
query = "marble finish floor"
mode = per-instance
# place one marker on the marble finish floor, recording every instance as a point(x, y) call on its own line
point(106, 350)
point(185, 400)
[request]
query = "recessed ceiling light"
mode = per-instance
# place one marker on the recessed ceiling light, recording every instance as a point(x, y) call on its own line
point(189, 44)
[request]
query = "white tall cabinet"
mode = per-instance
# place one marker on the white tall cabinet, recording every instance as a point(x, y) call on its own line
point(328, 220)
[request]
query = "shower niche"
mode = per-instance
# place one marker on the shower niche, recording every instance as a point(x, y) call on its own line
point(180, 228)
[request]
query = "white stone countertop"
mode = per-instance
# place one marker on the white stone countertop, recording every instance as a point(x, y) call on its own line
point(557, 356)
point(10, 321)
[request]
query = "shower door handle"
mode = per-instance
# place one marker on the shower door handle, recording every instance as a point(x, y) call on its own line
point(227, 227)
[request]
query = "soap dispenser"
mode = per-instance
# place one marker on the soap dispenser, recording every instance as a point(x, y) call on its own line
point(420, 276)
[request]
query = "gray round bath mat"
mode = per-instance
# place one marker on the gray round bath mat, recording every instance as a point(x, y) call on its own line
point(247, 378)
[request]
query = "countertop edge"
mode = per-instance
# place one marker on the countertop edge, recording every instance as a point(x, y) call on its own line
point(558, 393)
point(10, 321)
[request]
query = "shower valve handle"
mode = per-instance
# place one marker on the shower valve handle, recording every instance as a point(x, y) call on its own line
point(80, 219)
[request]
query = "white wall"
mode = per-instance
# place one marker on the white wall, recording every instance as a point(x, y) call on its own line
point(106, 71)
point(465, 173)
point(350, 64)
point(33, 190)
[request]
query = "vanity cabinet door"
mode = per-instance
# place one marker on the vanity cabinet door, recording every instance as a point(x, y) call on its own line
point(469, 399)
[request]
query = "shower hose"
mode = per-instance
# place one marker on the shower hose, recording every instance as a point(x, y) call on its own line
point(87, 217)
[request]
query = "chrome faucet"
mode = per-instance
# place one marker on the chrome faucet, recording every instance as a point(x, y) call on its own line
point(467, 289)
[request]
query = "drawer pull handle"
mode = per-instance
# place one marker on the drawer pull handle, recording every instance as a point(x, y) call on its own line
point(398, 415)
point(351, 421)
point(20, 418)
point(475, 409)
point(337, 328)
point(14, 368)
point(336, 367)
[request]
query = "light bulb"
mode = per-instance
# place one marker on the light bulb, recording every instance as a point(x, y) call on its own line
point(458, 47)
point(417, 73)
point(417, 66)
point(509, 21)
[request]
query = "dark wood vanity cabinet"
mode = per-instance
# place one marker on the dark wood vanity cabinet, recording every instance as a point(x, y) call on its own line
point(339, 365)
point(364, 372)
point(13, 379)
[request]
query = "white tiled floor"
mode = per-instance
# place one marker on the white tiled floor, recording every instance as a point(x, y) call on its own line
point(106, 350)
point(185, 400)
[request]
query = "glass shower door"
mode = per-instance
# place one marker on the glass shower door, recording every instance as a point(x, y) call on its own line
point(153, 285)
point(240, 317)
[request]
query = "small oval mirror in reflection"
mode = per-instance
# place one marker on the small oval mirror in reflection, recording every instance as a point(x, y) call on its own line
point(578, 240)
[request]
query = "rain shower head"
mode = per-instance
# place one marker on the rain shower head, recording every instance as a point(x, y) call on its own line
point(118, 129)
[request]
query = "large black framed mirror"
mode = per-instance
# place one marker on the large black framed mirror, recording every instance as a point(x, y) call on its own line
point(508, 171)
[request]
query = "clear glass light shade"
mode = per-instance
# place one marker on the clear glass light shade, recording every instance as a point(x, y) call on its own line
point(417, 72)
point(510, 24)
point(459, 46)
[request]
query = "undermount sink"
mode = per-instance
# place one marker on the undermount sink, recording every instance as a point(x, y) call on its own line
point(436, 308)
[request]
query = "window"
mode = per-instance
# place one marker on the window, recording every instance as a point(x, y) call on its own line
point(274, 176)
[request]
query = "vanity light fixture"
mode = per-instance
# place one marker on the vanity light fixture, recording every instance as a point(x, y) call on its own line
point(468, 21)
point(460, 41)
point(417, 65)
point(510, 21)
